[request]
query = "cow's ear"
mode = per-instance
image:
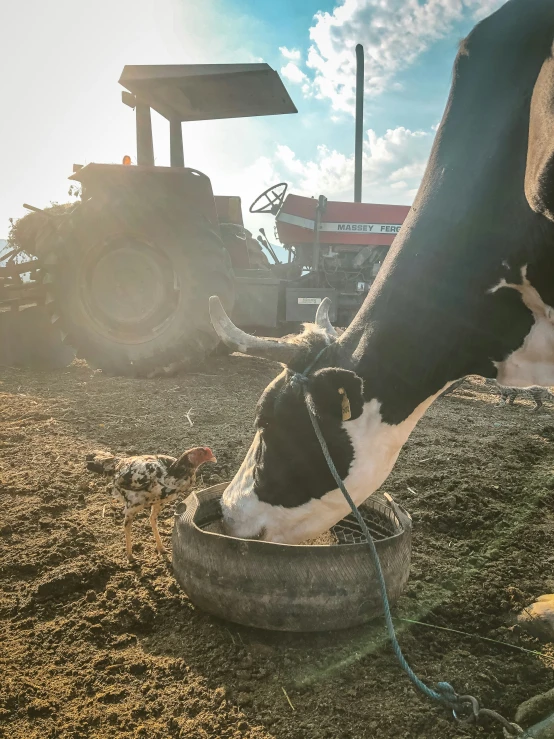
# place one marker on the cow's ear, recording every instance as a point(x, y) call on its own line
point(539, 172)
point(338, 392)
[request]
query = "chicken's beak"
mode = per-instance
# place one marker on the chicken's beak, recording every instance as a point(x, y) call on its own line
point(212, 459)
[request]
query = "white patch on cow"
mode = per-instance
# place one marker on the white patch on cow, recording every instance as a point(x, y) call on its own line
point(376, 448)
point(240, 506)
point(533, 362)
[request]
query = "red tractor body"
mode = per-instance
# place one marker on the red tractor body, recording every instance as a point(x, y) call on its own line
point(341, 224)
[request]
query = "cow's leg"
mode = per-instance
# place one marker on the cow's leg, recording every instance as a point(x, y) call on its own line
point(154, 523)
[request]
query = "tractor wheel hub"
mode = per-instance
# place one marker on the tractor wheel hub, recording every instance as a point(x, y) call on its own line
point(129, 288)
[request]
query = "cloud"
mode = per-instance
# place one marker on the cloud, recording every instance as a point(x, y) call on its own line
point(409, 171)
point(482, 8)
point(394, 33)
point(393, 165)
point(292, 54)
point(293, 73)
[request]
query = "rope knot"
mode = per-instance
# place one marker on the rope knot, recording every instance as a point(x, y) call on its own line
point(299, 379)
point(447, 694)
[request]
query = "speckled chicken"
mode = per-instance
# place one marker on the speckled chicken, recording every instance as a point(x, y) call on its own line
point(149, 481)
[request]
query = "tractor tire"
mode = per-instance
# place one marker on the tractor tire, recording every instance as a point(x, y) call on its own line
point(135, 302)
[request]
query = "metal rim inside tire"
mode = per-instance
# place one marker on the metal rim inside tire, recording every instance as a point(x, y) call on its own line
point(129, 288)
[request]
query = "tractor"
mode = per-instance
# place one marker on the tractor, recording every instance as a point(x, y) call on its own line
point(335, 250)
point(125, 273)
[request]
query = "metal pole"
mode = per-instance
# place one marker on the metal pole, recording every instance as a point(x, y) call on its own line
point(177, 157)
point(358, 147)
point(145, 145)
point(319, 211)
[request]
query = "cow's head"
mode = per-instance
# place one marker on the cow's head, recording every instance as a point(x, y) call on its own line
point(284, 480)
point(466, 288)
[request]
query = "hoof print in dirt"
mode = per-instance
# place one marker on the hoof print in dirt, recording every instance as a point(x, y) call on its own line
point(59, 585)
point(538, 618)
point(64, 581)
point(548, 433)
point(536, 715)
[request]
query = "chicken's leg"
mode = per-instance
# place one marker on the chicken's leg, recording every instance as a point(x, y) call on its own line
point(129, 516)
point(154, 523)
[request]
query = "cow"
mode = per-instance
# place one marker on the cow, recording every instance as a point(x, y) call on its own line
point(467, 288)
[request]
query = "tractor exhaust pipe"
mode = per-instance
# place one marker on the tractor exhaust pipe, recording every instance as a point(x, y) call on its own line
point(358, 147)
point(37, 210)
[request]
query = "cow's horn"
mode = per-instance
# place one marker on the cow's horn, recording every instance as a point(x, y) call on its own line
point(239, 341)
point(322, 317)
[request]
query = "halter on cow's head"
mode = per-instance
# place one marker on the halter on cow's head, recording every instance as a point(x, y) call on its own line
point(467, 288)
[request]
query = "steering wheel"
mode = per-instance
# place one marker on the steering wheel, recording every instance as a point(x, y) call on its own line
point(271, 199)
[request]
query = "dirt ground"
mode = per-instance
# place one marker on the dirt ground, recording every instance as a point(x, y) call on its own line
point(93, 647)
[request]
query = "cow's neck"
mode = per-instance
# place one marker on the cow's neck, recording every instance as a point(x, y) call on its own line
point(376, 446)
point(407, 352)
point(406, 363)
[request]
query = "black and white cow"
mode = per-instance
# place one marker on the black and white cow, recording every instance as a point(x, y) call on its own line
point(467, 288)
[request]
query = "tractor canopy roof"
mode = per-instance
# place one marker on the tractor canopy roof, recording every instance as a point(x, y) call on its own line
point(203, 92)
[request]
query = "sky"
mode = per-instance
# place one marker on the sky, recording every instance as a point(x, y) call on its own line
point(62, 102)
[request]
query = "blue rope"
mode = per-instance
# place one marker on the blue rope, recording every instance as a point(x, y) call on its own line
point(460, 705)
point(445, 693)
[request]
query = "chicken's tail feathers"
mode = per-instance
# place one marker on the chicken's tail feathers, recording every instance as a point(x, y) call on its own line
point(102, 463)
